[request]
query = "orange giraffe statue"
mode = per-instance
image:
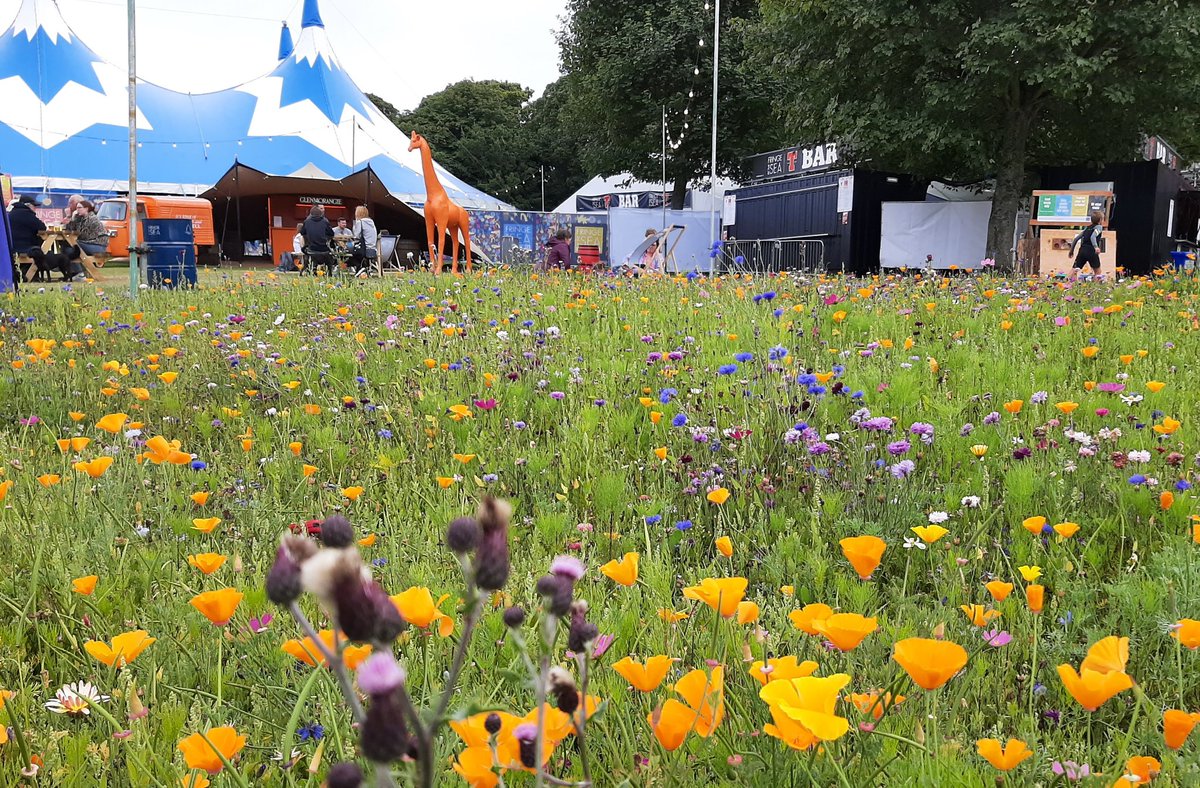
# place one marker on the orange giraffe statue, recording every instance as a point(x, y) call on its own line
point(442, 215)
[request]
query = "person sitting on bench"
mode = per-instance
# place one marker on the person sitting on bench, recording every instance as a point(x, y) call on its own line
point(25, 228)
point(91, 234)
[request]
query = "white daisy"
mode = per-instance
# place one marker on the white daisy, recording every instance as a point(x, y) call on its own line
point(74, 699)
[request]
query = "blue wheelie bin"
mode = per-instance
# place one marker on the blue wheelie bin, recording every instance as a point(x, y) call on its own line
point(171, 256)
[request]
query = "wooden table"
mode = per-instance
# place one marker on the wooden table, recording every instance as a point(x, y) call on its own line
point(56, 241)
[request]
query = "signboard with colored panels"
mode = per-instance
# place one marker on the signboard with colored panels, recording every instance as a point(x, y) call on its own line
point(1070, 207)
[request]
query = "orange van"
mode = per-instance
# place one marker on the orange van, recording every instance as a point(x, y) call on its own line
point(114, 214)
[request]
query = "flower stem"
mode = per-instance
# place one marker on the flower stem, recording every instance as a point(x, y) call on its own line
point(334, 661)
point(220, 667)
point(582, 661)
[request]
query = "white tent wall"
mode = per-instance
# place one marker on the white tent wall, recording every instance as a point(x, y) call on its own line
point(955, 233)
point(627, 228)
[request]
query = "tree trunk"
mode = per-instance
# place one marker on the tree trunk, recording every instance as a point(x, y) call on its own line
point(1010, 186)
point(679, 193)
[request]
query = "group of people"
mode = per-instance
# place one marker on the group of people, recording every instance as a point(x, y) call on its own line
point(91, 237)
point(316, 240)
point(558, 255)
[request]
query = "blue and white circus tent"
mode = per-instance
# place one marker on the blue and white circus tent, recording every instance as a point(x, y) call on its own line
point(64, 122)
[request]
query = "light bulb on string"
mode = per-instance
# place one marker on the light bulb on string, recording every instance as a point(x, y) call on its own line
point(702, 42)
point(696, 72)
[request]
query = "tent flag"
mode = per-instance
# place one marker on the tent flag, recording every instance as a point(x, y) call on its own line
point(312, 14)
point(64, 120)
point(285, 43)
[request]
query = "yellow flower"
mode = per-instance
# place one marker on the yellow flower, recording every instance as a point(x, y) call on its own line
point(210, 751)
point(123, 649)
point(724, 546)
point(112, 423)
point(207, 562)
point(721, 594)
point(1030, 573)
point(205, 525)
point(85, 585)
point(930, 533)
point(94, 468)
point(352, 493)
point(417, 607)
point(718, 496)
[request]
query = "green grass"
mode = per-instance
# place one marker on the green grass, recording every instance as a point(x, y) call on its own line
point(583, 479)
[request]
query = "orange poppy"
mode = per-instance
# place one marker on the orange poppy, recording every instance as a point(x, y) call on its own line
point(721, 594)
point(871, 703)
point(1155, 386)
point(112, 423)
point(724, 546)
point(208, 752)
point(978, 615)
point(1035, 595)
point(218, 606)
point(205, 525)
point(1107, 655)
point(863, 553)
point(1034, 525)
point(782, 669)
point(718, 496)
point(647, 677)
point(123, 649)
point(661, 453)
point(1006, 758)
point(352, 493)
point(845, 630)
point(309, 470)
point(1140, 770)
point(1092, 689)
point(999, 589)
point(1168, 427)
point(806, 618)
point(94, 468)
point(803, 710)
point(705, 695)
point(207, 562)
point(929, 533)
point(200, 498)
point(624, 571)
point(1014, 406)
point(1177, 726)
point(929, 663)
point(1066, 530)
point(747, 612)
point(671, 723)
point(671, 616)
point(1187, 632)
point(73, 444)
point(1166, 499)
point(417, 607)
point(49, 479)
point(1066, 407)
point(85, 585)
point(1090, 351)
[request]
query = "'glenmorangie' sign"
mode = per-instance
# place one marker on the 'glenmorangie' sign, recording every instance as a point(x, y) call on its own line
point(794, 161)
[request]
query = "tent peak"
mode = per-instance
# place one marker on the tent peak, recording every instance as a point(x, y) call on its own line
point(312, 14)
point(285, 42)
point(43, 15)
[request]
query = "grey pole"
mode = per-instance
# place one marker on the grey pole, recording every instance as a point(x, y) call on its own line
point(133, 212)
point(716, 86)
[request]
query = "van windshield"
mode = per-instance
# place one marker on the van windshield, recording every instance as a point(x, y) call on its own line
point(117, 210)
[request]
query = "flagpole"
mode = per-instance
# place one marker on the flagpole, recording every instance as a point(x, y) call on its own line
point(716, 87)
point(132, 213)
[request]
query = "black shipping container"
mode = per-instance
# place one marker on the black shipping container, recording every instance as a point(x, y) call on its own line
point(806, 207)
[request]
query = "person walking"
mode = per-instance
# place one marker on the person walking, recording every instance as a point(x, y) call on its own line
point(317, 232)
point(1089, 242)
point(366, 242)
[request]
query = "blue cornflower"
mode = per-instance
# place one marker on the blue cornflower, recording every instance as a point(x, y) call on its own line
point(857, 395)
point(740, 259)
point(778, 313)
point(381, 562)
point(654, 519)
point(385, 434)
point(816, 390)
point(838, 369)
point(727, 369)
point(778, 352)
point(769, 295)
point(1137, 478)
point(199, 465)
point(743, 357)
point(665, 395)
point(490, 478)
point(680, 420)
point(683, 525)
point(807, 379)
point(1183, 486)
point(314, 731)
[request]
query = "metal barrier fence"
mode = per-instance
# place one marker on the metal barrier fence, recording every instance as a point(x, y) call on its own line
point(772, 255)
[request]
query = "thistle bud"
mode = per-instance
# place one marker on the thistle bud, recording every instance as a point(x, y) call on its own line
point(344, 775)
point(336, 531)
point(582, 633)
point(492, 723)
point(556, 593)
point(284, 579)
point(491, 553)
point(462, 535)
point(363, 610)
point(514, 617)
point(563, 690)
point(384, 736)
point(526, 736)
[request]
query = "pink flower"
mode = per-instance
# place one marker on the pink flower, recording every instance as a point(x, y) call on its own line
point(485, 404)
point(997, 638)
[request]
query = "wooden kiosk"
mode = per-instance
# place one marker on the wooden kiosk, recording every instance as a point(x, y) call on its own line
point(1058, 217)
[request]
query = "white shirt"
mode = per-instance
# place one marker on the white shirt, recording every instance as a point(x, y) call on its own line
point(298, 244)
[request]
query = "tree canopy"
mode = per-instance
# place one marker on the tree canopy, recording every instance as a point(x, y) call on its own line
point(491, 134)
point(966, 90)
point(625, 62)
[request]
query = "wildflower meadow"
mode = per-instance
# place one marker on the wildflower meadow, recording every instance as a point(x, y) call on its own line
point(504, 529)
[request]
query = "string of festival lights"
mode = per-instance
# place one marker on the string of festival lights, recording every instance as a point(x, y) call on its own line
point(701, 45)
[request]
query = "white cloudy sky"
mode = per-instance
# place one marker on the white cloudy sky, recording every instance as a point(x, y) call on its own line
point(390, 47)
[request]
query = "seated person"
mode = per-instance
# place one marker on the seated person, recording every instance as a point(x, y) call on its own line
point(342, 230)
point(290, 262)
point(25, 228)
point(91, 234)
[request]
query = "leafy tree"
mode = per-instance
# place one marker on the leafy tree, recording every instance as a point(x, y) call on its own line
point(492, 136)
point(969, 89)
point(626, 61)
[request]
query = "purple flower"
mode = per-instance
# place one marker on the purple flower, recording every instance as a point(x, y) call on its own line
point(259, 625)
point(567, 566)
point(557, 395)
point(991, 418)
point(966, 429)
point(1022, 453)
point(997, 638)
point(1111, 388)
point(896, 448)
point(925, 431)
point(819, 448)
point(1039, 397)
point(29, 422)
point(380, 675)
point(877, 424)
point(1071, 770)
point(602, 644)
point(902, 469)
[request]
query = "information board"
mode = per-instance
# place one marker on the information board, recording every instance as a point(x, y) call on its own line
point(1070, 207)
